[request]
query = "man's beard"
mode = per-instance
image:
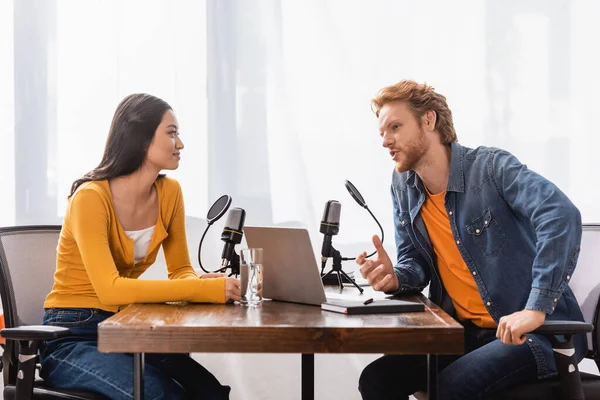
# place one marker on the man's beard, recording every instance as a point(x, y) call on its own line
point(414, 152)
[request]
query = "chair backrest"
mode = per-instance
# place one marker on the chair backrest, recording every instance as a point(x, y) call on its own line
point(27, 265)
point(586, 282)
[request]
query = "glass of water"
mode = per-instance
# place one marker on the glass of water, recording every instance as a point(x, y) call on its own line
point(251, 276)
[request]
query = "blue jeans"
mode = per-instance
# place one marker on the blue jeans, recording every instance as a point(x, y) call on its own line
point(74, 362)
point(487, 366)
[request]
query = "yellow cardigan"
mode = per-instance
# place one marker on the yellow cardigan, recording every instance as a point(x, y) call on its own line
point(95, 265)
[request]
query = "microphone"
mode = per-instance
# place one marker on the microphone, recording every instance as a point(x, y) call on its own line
point(330, 225)
point(232, 233)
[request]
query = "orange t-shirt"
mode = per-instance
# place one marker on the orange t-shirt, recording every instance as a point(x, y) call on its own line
point(2, 340)
point(455, 275)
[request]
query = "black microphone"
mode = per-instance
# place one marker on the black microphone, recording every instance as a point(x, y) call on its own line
point(330, 225)
point(232, 233)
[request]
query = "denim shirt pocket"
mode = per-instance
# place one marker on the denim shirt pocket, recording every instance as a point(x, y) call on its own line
point(488, 234)
point(68, 317)
point(404, 219)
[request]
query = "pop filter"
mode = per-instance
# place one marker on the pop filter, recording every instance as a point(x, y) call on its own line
point(215, 212)
point(218, 209)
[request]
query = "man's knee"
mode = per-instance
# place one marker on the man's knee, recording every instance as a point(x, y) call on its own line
point(165, 389)
point(376, 379)
point(393, 376)
point(457, 391)
point(385, 378)
point(365, 381)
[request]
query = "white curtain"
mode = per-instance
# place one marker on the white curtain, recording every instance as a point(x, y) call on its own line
point(273, 95)
point(273, 102)
point(106, 50)
point(7, 121)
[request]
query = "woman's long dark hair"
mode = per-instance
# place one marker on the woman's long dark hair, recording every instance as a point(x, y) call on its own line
point(131, 132)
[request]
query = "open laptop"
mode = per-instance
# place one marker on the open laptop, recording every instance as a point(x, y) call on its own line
point(290, 270)
point(291, 273)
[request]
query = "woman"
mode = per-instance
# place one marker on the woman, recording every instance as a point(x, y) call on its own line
point(117, 218)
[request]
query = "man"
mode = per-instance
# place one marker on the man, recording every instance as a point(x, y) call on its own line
point(497, 243)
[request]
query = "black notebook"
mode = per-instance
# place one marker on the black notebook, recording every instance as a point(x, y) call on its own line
point(376, 307)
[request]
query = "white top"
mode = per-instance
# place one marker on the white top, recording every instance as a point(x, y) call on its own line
point(141, 242)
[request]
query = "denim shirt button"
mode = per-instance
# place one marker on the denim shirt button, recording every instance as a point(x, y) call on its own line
point(458, 242)
point(531, 340)
point(489, 303)
point(477, 231)
point(474, 272)
point(568, 277)
point(555, 300)
point(485, 222)
point(449, 212)
point(403, 222)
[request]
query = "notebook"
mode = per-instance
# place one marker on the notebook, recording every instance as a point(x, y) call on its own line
point(352, 307)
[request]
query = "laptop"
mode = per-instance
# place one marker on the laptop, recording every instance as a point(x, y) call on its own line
point(291, 274)
point(290, 269)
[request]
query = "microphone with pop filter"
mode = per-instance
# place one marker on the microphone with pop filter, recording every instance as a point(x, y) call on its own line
point(330, 226)
point(232, 233)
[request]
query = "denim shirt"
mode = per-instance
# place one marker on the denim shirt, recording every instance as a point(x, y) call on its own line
point(518, 234)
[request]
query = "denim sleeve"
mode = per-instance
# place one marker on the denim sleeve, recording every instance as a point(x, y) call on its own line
point(411, 268)
point(554, 219)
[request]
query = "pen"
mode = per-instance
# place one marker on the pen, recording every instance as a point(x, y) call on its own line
point(368, 301)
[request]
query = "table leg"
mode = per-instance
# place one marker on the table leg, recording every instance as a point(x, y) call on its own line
point(138, 376)
point(432, 371)
point(308, 376)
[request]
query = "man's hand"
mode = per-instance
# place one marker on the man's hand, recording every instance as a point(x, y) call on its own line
point(512, 328)
point(232, 290)
point(380, 271)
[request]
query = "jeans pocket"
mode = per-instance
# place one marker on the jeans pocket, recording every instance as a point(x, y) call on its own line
point(68, 317)
point(488, 234)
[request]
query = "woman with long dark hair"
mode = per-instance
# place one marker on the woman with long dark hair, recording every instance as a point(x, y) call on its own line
point(117, 218)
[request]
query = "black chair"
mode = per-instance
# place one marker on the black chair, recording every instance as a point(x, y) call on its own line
point(27, 264)
point(570, 384)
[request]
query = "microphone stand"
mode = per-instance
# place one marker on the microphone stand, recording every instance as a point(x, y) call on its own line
point(233, 264)
point(337, 268)
point(337, 258)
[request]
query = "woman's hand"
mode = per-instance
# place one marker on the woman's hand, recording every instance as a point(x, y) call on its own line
point(212, 275)
point(232, 290)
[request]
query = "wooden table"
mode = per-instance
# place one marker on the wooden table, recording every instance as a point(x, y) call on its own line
point(278, 327)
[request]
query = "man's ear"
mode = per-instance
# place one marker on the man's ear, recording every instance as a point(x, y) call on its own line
point(429, 120)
